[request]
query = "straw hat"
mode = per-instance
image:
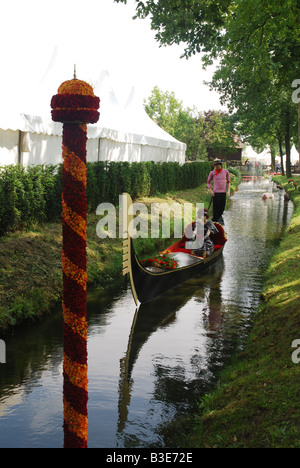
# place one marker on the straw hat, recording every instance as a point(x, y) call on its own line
point(217, 161)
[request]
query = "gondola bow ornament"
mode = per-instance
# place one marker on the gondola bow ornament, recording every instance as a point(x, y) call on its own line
point(126, 220)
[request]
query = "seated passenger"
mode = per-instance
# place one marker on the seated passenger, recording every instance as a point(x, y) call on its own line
point(201, 243)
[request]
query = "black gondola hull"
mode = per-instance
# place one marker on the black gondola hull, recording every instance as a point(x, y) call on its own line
point(149, 285)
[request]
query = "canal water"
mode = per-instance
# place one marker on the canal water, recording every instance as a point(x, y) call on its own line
point(151, 366)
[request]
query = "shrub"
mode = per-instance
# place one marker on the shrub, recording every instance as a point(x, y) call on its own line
point(34, 194)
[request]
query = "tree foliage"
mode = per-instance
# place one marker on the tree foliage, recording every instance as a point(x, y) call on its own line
point(184, 124)
point(257, 44)
point(256, 70)
point(208, 132)
point(197, 23)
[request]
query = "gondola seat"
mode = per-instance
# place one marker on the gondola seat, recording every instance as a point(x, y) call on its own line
point(219, 239)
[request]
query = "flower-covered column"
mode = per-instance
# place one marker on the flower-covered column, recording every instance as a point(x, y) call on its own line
point(75, 105)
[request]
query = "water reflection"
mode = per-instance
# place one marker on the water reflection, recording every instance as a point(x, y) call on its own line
point(161, 314)
point(185, 355)
point(30, 387)
point(147, 368)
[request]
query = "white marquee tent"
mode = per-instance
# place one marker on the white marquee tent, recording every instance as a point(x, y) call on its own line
point(124, 133)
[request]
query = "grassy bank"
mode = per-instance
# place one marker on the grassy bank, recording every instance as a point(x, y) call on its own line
point(30, 261)
point(30, 264)
point(256, 404)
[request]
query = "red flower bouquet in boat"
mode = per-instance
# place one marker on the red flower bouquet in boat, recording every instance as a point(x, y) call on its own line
point(162, 261)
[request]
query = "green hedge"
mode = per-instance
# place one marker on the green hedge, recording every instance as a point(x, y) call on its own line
point(34, 194)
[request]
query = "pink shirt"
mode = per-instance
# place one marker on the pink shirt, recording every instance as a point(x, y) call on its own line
point(220, 180)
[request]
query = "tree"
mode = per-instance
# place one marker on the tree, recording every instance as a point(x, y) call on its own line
point(219, 133)
point(252, 79)
point(197, 23)
point(164, 109)
point(210, 25)
point(184, 124)
point(211, 132)
point(257, 43)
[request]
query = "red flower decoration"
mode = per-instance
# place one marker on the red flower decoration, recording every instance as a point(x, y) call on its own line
point(75, 105)
point(162, 261)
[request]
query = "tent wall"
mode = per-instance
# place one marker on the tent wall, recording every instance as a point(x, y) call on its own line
point(115, 151)
point(104, 149)
point(9, 144)
point(125, 133)
point(42, 149)
point(92, 149)
point(47, 149)
point(150, 153)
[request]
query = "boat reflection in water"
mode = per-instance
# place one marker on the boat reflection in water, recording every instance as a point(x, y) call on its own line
point(160, 295)
point(161, 313)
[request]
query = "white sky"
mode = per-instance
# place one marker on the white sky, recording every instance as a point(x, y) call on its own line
point(41, 41)
point(96, 35)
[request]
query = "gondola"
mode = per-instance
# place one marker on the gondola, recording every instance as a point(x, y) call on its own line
point(149, 283)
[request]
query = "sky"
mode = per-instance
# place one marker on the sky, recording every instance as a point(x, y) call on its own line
point(41, 41)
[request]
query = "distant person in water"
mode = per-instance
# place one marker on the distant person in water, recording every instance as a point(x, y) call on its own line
point(221, 179)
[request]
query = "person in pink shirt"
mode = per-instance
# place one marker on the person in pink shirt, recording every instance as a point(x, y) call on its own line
point(221, 186)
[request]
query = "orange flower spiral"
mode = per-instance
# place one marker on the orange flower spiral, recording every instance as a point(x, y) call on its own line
point(75, 105)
